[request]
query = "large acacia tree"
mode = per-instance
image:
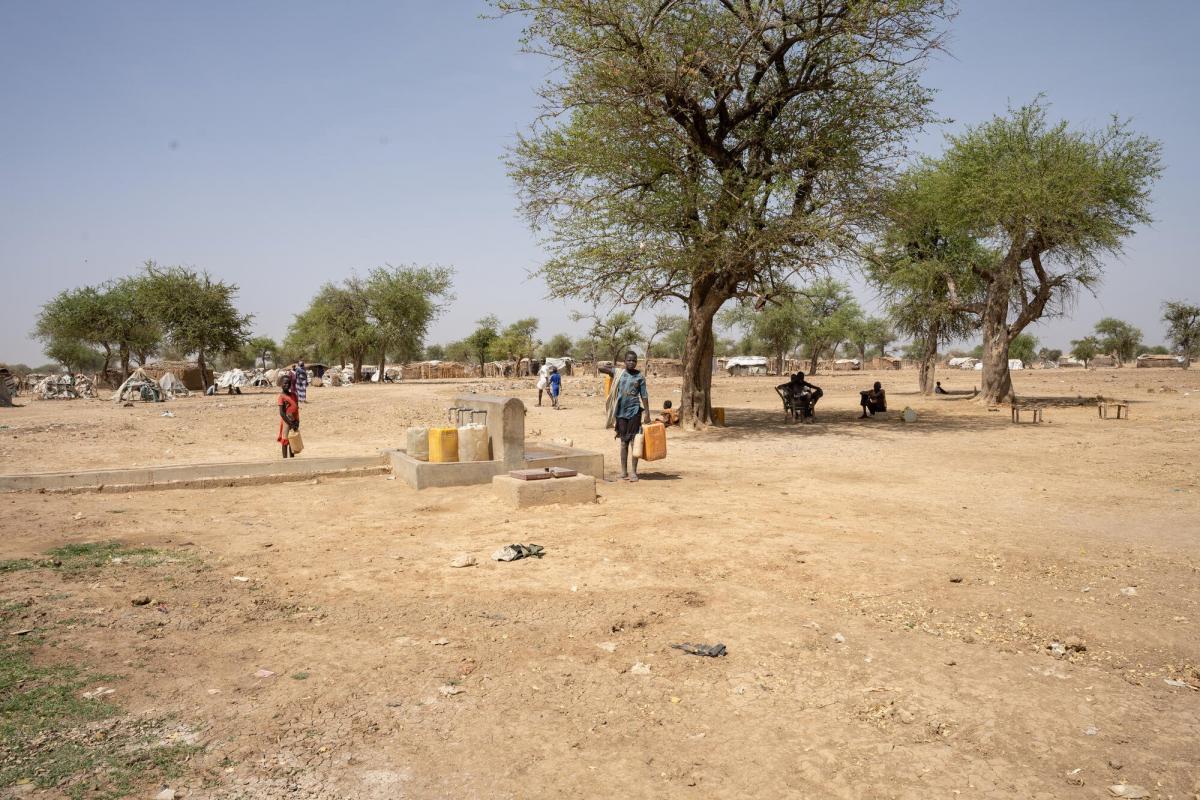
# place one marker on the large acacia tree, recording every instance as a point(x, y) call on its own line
point(1052, 202)
point(706, 150)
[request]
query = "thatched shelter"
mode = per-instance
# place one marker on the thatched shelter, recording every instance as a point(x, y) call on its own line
point(664, 367)
point(884, 362)
point(1103, 361)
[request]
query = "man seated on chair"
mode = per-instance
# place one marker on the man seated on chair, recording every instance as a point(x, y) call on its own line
point(804, 395)
point(873, 400)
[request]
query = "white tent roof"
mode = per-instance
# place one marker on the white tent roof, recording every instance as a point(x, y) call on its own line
point(746, 361)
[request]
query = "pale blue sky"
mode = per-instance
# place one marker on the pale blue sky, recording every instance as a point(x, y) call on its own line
point(279, 145)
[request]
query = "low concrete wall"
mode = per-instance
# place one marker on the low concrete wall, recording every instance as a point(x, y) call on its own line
point(425, 475)
point(175, 475)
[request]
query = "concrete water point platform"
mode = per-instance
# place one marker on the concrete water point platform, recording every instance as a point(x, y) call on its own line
point(506, 435)
point(515, 493)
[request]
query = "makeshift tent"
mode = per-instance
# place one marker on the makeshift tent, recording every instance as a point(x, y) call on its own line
point(64, 387)
point(171, 386)
point(231, 379)
point(745, 365)
point(139, 386)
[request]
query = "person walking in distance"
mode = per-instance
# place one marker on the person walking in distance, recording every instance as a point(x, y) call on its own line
point(631, 405)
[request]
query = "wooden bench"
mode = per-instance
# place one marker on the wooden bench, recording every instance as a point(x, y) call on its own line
point(1122, 410)
point(1036, 413)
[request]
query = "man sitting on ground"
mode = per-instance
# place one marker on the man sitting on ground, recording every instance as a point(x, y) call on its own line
point(939, 390)
point(873, 400)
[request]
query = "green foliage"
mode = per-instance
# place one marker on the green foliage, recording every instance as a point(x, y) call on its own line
point(479, 343)
point(826, 312)
point(259, 351)
point(436, 352)
point(402, 302)
point(924, 268)
point(1051, 202)
point(1156, 350)
point(1024, 347)
point(516, 341)
point(710, 151)
point(610, 336)
point(1049, 354)
point(1118, 338)
point(196, 313)
point(1183, 327)
point(773, 331)
point(559, 345)
point(1085, 349)
point(334, 327)
point(459, 351)
point(74, 355)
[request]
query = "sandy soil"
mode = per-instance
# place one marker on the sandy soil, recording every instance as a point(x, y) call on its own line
point(887, 593)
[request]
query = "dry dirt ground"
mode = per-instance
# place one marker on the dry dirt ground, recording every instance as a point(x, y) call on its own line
point(887, 593)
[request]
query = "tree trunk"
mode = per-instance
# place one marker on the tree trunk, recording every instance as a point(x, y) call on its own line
point(382, 365)
point(357, 360)
point(107, 359)
point(814, 361)
point(696, 400)
point(928, 365)
point(996, 380)
point(125, 361)
point(203, 369)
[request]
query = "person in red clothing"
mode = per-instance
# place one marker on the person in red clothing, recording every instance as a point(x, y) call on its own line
point(289, 414)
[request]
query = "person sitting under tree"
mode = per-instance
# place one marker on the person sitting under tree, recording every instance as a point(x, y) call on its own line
point(668, 416)
point(873, 400)
point(804, 396)
point(630, 405)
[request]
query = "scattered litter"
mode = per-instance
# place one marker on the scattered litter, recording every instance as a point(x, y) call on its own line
point(214, 691)
point(1057, 649)
point(25, 631)
point(710, 650)
point(264, 673)
point(608, 647)
point(676, 700)
point(1176, 683)
point(162, 609)
point(463, 560)
point(956, 579)
point(449, 690)
point(165, 794)
point(1091, 731)
point(908, 415)
point(78, 515)
point(515, 552)
point(1127, 790)
point(837, 637)
point(241, 578)
point(167, 414)
point(640, 669)
point(1073, 777)
point(140, 600)
point(99, 691)
point(442, 642)
point(1129, 591)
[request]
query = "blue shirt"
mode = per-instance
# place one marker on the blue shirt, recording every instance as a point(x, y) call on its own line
point(631, 390)
point(555, 382)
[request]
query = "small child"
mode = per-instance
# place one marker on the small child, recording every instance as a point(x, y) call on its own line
point(555, 386)
point(669, 416)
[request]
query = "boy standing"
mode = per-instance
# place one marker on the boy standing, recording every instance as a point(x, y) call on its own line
point(632, 406)
point(555, 386)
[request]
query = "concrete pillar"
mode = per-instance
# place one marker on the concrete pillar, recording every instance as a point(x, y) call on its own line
point(505, 423)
